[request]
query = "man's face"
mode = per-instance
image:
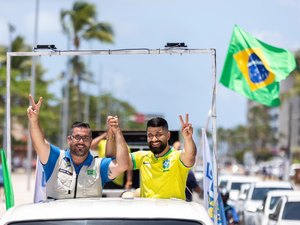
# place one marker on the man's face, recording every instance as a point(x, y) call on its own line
point(80, 141)
point(157, 139)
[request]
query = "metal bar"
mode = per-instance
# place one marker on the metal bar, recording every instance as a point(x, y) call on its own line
point(113, 52)
point(214, 136)
point(8, 118)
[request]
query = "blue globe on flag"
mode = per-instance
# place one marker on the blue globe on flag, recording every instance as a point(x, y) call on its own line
point(257, 71)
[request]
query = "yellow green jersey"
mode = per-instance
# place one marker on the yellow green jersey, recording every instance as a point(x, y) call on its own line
point(163, 177)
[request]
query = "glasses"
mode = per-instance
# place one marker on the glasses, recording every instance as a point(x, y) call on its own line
point(77, 138)
point(157, 135)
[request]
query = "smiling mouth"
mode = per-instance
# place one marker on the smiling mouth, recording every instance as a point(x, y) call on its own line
point(156, 144)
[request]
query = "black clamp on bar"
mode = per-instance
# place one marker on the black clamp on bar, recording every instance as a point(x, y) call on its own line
point(45, 47)
point(176, 45)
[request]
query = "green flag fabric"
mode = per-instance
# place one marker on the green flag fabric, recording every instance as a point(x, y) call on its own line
point(255, 69)
point(8, 189)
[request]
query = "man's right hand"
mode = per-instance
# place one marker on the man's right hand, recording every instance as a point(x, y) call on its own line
point(34, 109)
point(113, 124)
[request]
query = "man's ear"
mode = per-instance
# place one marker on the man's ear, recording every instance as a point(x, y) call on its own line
point(69, 139)
point(169, 135)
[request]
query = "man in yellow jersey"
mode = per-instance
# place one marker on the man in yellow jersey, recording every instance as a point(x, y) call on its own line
point(99, 144)
point(164, 170)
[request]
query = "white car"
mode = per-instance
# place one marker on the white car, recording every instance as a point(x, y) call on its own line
point(262, 214)
point(253, 197)
point(108, 211)
point(233, 183)
point(287, 211)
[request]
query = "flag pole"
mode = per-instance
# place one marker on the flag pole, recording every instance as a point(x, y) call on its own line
point(214, 135)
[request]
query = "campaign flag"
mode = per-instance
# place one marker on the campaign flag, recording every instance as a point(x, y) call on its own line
point(255, 69)
point(208, 185)
point(8, 188)
point(40, 183)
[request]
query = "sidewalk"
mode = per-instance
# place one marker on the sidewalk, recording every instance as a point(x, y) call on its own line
point(23, 187)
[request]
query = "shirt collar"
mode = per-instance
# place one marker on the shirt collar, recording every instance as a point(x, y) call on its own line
point(86, 162)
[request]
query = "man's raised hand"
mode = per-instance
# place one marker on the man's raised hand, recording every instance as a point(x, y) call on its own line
point(34, 108)
point(186, 127)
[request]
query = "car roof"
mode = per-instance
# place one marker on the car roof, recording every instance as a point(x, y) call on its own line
point(238, 178)
point(293, 197)
point(280, 184)
point(277, 193)
point(113, 208)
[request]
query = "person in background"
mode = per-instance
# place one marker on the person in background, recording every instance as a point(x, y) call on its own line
point(163, 170)
point(99, 144)
point(191, 183)
point(232, 218)
point(74, 172)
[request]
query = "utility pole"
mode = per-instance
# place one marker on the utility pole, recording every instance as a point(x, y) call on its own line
point(32, 91)
point(11, 29)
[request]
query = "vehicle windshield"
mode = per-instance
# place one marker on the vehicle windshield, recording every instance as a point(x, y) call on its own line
point(237, 185)
point(223, 184)
point(260, 193)
point(110, 222)
point(291, 211)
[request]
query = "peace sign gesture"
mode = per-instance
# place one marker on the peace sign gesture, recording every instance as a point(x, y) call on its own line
point(34, 109)
point(186, 127)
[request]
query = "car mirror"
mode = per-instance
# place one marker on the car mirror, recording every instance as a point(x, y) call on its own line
point(260, 208)
point(252, 209)
point(242, 197)
point(272, 216)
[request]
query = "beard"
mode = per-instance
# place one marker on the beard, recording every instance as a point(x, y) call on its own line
point(159, 149)
point(79, 150)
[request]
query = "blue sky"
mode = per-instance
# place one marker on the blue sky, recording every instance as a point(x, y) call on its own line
point(168, 85)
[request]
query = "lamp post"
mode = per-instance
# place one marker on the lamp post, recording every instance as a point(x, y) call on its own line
point(32, 92)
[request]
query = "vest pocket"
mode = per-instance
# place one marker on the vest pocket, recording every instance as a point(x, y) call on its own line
point(64, 181)
point(92, 186)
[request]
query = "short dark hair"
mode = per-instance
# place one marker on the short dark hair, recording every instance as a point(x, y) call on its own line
point(158, 122)
point(81, 125)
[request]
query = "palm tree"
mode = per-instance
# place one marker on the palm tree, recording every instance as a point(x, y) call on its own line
point(81, 23)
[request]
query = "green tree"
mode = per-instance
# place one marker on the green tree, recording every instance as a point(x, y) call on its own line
point(261, 135)
point(81, 23)
point(20, 88)
point(113, 106)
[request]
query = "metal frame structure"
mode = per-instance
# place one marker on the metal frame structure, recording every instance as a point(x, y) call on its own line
point(50, 51)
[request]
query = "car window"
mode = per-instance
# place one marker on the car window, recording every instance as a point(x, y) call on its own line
point(277, 210)
point(110, 222)
point(260, 193)
point(291, 211)
point(273, 202)
point(237, 185)
point(223, 184)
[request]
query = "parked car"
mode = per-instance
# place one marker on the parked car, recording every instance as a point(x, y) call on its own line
point(261, 216)
point(252, 198)
point(233, 183)
point(287, 211)
point(100, 211)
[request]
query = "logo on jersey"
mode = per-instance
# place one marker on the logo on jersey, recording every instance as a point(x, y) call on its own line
point(166, 165)
point(254, 67)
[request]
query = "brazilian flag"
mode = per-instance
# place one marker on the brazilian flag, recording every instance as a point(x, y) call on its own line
point(255, 69)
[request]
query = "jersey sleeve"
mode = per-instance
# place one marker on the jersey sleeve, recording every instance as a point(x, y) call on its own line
point(137, 159)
